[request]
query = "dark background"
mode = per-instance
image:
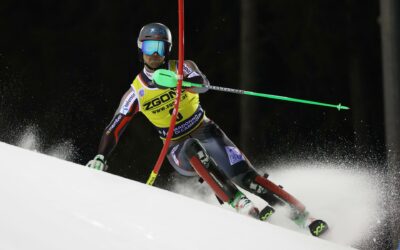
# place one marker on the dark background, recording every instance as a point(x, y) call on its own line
point(64, 65)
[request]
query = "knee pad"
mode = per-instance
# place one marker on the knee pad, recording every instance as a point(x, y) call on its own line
point(192, 147)
point(249, 183)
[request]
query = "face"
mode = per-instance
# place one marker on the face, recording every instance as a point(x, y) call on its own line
point(154, 60)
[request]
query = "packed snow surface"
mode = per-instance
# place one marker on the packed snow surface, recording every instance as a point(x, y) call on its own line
point(48, 203)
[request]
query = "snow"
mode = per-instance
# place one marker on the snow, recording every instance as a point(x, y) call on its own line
point(48, 203)
point(348, 196)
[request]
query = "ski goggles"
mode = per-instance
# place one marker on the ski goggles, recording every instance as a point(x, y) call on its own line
point(149, 47)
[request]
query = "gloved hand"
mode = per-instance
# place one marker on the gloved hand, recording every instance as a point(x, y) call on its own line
point(98, 163)
point(160, 86)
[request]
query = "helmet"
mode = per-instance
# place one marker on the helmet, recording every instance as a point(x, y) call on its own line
point(155, 31)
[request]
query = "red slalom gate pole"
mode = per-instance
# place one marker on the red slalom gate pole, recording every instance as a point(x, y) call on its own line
point(164, 150)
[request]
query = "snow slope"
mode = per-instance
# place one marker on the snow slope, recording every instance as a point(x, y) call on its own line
point(48, 203)
point(349, 196)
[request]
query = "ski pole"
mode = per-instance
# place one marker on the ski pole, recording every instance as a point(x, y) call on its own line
point(167, 78)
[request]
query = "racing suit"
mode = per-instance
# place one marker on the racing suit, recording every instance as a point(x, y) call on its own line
point(157, 105)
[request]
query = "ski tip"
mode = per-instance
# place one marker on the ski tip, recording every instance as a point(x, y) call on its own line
point(318, 227)
point(266, 213)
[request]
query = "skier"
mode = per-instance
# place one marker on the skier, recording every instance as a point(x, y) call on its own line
point(198, 146)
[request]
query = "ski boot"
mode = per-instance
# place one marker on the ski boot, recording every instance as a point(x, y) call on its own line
point(243, 205)
point(300, 218)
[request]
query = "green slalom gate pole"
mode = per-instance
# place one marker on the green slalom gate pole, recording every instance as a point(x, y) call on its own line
point(168, 79)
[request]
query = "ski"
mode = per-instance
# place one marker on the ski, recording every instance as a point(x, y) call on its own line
point(299, 214)
point(317, 227)
point(266, 213)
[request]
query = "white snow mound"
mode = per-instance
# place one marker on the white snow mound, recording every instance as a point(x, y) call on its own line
point(48, 203)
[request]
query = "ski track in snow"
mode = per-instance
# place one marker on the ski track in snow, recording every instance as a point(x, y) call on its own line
point(346, 197)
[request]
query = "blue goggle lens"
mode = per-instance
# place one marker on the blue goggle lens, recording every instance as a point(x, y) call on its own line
point(150, 47)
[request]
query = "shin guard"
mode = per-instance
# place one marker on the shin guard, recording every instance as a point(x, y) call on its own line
point(269, 191)
point(280, 192)
point(208, 170)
